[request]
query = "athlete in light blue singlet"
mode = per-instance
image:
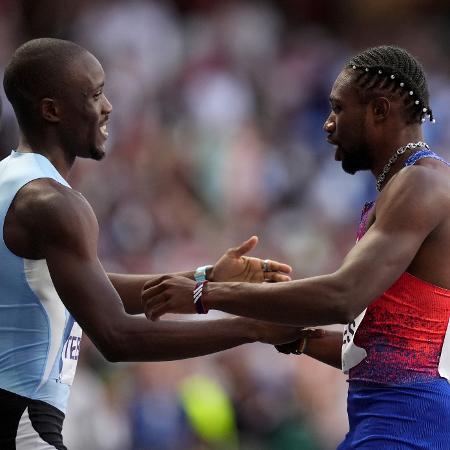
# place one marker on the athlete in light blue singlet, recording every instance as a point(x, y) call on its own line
point(49, 269)
point(39, 339)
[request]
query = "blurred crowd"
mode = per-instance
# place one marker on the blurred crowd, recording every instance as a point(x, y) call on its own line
point(216, 134)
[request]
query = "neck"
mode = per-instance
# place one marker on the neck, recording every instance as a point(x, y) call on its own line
point(387, 148)
point(52, 151)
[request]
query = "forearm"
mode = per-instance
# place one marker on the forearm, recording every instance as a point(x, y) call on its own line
point(285, 303)
point(130, 287)
point(137, 339)
point(326, 349)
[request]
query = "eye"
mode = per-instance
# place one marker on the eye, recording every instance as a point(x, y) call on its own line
point(97, 95)
point(336, 108)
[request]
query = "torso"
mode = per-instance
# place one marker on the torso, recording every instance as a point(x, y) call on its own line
point(39, 340)
point(378, 342)
point(397, 351)
point(431, 263)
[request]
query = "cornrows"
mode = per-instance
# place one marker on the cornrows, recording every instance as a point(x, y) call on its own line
point(393, 70)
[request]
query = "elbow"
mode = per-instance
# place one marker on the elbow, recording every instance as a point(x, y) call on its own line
point(345, 314)
point(111, 355)
point(109, 345)
point(342, 312)
point(110, 352)
point(345, 308)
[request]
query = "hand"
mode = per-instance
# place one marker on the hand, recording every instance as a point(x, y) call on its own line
point(281, 335)
point(168, 294)
point(234, 266)
point(293, 347)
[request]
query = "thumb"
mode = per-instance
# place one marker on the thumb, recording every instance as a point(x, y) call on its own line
point(245, 247)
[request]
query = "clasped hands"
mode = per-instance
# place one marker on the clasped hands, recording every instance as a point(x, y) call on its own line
point(173, 294)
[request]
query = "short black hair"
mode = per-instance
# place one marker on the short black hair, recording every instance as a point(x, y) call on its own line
point(392, 70)
point(36, 70)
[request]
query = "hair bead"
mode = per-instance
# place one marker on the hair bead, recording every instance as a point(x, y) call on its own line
point(393, 69)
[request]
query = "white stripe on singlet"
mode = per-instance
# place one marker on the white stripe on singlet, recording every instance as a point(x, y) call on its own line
point(40, 282)
point(28, 438)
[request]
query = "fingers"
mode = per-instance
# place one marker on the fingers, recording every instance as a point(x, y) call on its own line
point(155, 281)
point(245, 247)
point(153, 299)
point(157, 312)
point(277, 272)
point(149, 295)
point(298, 346)
point(275, 277)
point(275, 266)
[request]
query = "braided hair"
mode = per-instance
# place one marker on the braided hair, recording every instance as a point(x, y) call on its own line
point(392, 70)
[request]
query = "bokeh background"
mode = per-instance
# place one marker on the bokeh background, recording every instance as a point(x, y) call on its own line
point(216, 135)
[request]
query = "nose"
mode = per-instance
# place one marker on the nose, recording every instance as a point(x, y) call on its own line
point(330, 125)
point(107, 107)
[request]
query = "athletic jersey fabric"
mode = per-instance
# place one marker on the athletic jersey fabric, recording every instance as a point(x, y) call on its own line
point(397, 354)
point(39, 339)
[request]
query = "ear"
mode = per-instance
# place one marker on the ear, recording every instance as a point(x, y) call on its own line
point(49, 109)
point(381, 108)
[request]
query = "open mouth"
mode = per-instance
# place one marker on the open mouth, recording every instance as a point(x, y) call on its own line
point(103, 131)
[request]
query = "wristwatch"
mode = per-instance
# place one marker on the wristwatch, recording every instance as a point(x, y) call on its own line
point(200, 273)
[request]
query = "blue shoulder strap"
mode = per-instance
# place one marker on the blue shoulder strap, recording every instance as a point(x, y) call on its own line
point(424, 154)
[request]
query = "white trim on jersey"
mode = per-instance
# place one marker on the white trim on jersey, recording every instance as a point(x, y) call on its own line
point(40, 282)
point(352, 355)
point(444, 359)
point(27, 437)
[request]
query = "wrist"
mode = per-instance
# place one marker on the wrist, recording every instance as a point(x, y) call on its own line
point(206, 299)
point(217, 295)
point(199, 295)
point(203, 273)
point(209, 273)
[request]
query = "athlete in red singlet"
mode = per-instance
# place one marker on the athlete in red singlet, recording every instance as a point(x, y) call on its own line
point(393, 287)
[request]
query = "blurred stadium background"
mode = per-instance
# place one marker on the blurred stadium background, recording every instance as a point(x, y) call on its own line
point(216, 135)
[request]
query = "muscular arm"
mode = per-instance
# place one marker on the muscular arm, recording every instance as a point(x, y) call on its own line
point(406, 215)
point(65, 233)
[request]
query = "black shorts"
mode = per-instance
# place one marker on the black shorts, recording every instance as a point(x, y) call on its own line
point(27, 424)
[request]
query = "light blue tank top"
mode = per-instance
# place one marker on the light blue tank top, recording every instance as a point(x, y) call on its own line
point(39, 339)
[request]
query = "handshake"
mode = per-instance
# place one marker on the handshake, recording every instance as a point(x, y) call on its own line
point(210, 286)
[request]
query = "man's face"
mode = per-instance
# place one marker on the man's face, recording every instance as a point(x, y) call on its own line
point(346, 125)
point(85, 109)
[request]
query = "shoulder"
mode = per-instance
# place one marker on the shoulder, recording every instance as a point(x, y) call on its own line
point(429, 179)
point(419, 190)
point(51, 209)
